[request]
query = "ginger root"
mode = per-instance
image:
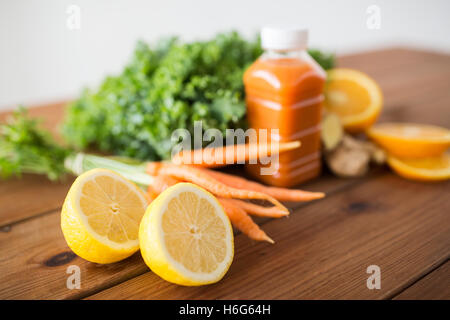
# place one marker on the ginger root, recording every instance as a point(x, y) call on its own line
point(351, 158)
point(345, 155)
point(332, 131)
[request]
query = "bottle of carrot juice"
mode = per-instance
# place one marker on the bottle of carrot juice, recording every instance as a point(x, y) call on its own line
point(284, 91)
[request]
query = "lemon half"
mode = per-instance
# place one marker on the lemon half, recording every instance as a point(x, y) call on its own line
point(101, 215)
point(186, 237)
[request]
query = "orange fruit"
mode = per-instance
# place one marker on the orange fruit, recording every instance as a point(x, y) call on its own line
point(409, 140)
point(425, 169)
point(354, 97)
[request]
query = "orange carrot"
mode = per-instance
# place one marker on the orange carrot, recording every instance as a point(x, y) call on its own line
point(202, 179)
point(241, 220)
point(162, 182)
point(151, 193)
point(237, 215)
point(281, 194)
point(153, 167)
point(159, 184)
point(257, 210)
point(240, 153)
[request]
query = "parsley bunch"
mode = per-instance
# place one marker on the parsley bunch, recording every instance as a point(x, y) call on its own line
point(164, 88)
point(26, 148)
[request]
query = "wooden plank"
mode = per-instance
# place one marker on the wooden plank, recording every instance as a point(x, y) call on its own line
point(35, 236)
point(402, 75)
point(434, 286)
point(35, 258)
point(29, 196)
point(324, 250)
point(420, 108)
point(388, 62)
point(28, 246)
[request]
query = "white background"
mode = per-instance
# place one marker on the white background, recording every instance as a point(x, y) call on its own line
point(42, 60)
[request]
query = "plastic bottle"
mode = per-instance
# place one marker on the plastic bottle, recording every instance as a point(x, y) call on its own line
point(284, 90)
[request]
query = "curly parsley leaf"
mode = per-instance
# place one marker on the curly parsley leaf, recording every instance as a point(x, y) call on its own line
point(26, 148)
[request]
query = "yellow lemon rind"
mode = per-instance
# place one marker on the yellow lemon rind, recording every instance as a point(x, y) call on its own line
point(79, 235)
point(152, 245)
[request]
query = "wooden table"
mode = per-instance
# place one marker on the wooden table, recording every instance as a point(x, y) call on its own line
point(322, 250)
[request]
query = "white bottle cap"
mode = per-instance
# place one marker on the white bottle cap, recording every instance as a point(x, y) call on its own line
point(284, 38)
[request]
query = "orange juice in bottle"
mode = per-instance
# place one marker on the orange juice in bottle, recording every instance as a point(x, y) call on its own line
point(284, 91)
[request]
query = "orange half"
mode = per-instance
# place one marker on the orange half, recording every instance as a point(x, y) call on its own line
point(410, 140)
point(354, 97)
point(426, 169)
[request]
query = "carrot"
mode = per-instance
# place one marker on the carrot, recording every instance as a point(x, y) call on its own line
point(161, 183)
point(241, 220)
point(152, 168)
point(151, 193)
point(237, 215)
point(240, 153)
point(202, 179)
point(257, 210)
point(281, 194)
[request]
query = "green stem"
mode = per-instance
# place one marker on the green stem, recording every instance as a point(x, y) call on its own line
point(81, 162)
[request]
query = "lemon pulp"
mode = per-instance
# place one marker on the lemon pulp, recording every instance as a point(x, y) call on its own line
point(185, 236)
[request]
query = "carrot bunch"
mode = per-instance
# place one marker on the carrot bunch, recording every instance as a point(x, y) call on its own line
point(231, 191)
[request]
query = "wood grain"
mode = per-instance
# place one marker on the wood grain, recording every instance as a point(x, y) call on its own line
point(29, 196)
point(434, 286)
point(325, 248)
point(321, 251)
point(28, 246)
point(35, 258)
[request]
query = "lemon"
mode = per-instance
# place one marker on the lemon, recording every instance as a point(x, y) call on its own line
point(101, 215)
point(424, 169)
point(411, 140)
point(186, 237)
point(354, 97)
